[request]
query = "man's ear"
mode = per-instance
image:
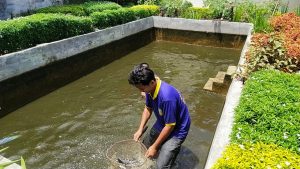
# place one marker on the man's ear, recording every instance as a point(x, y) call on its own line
point(152, 82)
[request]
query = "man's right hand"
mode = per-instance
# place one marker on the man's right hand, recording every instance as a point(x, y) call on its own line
point(137, 135)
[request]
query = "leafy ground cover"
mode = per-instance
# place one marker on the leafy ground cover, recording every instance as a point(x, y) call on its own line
point(266, 130)
point(279, 49)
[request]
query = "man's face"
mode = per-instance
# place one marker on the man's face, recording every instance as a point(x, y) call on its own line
point(147, 88)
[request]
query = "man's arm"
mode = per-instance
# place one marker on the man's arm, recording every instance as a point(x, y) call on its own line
point(145, 117)
point(166, 131)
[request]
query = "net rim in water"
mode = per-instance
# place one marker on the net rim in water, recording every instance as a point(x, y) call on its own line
point(124, 142)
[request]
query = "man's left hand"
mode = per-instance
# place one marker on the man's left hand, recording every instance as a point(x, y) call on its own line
point(151, 152)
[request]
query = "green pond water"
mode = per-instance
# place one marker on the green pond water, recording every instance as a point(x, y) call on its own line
point(73, 126)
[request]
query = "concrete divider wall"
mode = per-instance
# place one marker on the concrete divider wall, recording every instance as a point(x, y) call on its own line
point(15, 65)
point(224, 127)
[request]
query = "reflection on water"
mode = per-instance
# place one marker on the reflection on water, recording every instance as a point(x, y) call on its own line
point(73, 126)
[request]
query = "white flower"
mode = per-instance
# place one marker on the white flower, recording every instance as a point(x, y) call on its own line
point(238, 136)
point(285, 136)
point(287, 163)
point(242, 146)
point(279, 166)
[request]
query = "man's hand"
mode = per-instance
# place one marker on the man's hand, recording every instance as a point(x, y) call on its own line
point(151, 152)
point(137, 135)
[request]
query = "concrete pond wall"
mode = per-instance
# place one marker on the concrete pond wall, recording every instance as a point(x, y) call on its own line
point(48, 66)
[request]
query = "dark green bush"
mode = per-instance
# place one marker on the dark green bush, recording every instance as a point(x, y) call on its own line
point(197, 13)
point(22, 33)
point(91, 7)
point(76, 10)
point(269, 110)
point(110, 18)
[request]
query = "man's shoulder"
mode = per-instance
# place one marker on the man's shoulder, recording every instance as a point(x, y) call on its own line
point(168, 92)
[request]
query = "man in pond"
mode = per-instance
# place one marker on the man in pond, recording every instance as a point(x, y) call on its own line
point(172, 116)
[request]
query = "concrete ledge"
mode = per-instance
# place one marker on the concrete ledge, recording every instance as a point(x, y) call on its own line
point(221, 137)
point(211, 26)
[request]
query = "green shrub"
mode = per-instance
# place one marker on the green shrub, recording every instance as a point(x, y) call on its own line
point(76, 10)
point(268, 51)
point(25, 32)
point(91, 7)
point(143, 11)
point(174, 8)
point(269, 110)
point(257, 155)
point(221, 8)
point(149, 2)
point(297, 11)
point(248, 11)
point(126, 2)
point(110, 18)
point(197, 13)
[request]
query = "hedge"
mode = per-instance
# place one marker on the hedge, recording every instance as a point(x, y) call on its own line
point(25, 32)
point(76, 10)
point(109, 18)
point(91, 7)
point(80, 10)
point(197, 13)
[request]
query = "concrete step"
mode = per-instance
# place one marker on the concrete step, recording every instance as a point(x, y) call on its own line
point(208, 85)
point(231, 70)
point(220, 77)
point(229, 73)
point(221, 82)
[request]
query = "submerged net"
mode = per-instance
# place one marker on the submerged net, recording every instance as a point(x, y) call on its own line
point(127, 154)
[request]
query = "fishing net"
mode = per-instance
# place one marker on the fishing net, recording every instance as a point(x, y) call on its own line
point(127, 154)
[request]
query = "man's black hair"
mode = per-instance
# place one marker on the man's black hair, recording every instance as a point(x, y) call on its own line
point(141, 75)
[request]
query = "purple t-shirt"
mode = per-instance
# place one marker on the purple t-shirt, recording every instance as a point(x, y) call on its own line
point(169, 109)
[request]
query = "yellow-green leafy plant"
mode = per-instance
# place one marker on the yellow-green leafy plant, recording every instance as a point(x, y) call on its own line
point(142, 11)
point(257, 155)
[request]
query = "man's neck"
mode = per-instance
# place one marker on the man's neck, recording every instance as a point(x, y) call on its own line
point(153, 89)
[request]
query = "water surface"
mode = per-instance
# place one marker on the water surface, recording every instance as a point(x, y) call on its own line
point(73, 126)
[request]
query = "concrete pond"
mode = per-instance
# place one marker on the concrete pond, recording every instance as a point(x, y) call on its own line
point(70, 99)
